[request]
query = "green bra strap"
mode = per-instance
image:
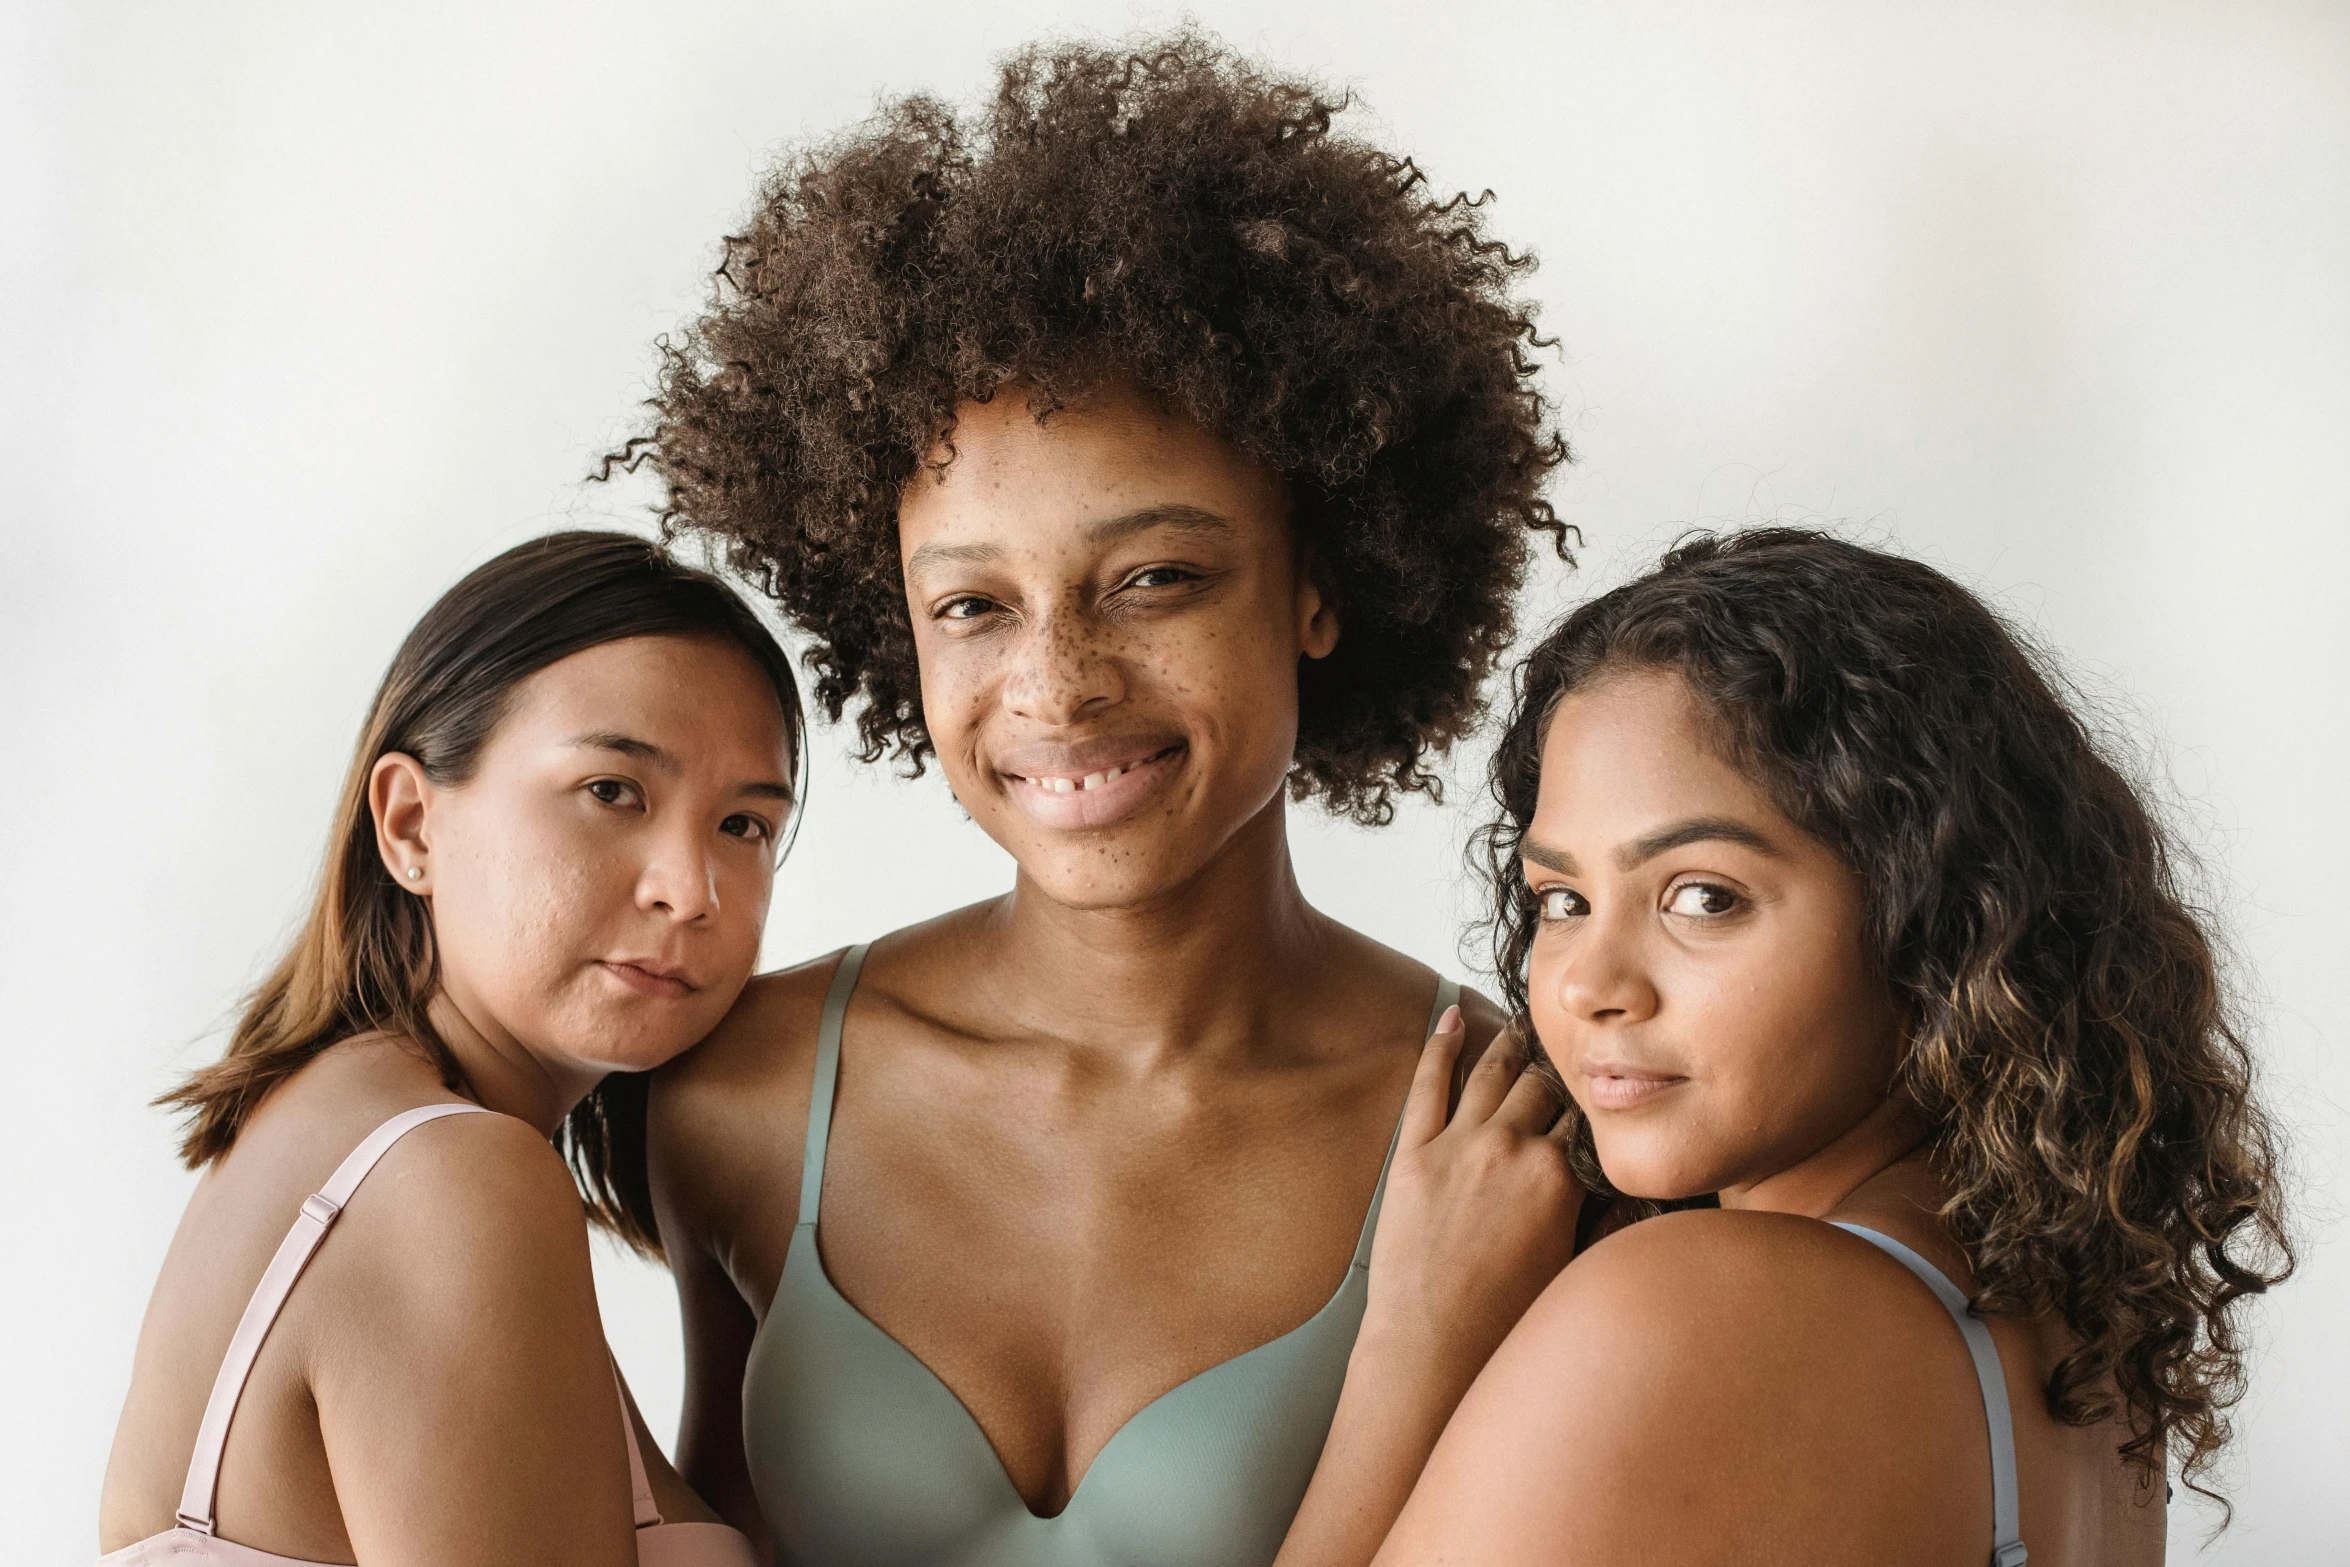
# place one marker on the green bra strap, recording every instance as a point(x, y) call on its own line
point(1448, 993)
point(836, 1007)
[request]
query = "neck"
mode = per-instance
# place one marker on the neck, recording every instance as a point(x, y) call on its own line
point(1187, 972)
point(1818, 1186)
point(501, 1073)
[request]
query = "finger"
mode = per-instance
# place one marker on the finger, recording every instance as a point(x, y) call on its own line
point(1423, 1112)
point(1492, 1078)
point(1533, 1103)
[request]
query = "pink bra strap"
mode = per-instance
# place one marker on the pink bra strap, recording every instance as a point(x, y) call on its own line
point(319, 1211)
point(648, 1512)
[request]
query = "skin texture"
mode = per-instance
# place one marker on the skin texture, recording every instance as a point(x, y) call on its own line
point(437, 1389)
point(1743, 1385)
point(1144, 1096)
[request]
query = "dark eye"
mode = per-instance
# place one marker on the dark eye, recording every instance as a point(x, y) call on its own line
point(612, 791)
point(967, 606)
point(1701, 900)
point(1158, 577)
point(1562, 903)
point(744, 825)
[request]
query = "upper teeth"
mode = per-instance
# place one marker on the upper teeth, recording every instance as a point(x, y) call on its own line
point(1072, 785)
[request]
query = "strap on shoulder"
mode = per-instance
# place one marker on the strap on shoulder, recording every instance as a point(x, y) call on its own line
point(836, 1007)
point(1448, 994)
point(319, 1211)
point(648, 1511)
point(2007, 1547)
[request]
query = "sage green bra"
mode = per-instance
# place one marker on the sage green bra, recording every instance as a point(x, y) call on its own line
point(862, 1457)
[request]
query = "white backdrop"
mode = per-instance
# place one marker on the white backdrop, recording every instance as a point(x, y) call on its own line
point(305, 310)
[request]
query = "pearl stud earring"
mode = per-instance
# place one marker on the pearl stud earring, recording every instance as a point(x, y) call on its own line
point(416, 873)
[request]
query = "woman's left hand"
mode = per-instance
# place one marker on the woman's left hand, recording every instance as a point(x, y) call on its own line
point(1479, 1216)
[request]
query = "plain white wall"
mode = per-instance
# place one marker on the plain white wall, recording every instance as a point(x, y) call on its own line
point(305, 310)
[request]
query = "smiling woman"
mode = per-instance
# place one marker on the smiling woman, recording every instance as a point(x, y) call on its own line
point(1149, 454)
point(551, 863)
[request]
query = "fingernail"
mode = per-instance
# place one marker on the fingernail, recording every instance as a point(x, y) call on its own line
point(1450, 1021)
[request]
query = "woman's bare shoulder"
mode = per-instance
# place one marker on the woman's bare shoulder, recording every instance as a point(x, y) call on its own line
point(768, 1032)
point(467, 1232)
point(1765, 1363)
point(1381, 982)
point(725, 1120)
point(1715, 1287)
point(768, 1037)
point(479, 1186)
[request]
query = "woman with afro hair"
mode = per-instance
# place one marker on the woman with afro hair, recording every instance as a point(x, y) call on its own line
point(1150, 455)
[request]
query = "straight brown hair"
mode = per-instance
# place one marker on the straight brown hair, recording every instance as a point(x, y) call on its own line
point(364, 960)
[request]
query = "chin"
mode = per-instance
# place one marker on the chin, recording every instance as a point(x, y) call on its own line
point(611, 1048)
point(1134, 862)
point(1655, 1177)
point(1104, 876)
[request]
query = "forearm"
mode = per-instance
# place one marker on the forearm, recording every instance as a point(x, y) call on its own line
point(1398, 1395)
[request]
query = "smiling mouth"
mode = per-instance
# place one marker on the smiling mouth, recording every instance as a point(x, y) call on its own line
point(1072, 783)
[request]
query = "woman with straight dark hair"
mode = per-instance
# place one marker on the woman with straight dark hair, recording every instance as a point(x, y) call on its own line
point(551, 861)
point(1830, 911)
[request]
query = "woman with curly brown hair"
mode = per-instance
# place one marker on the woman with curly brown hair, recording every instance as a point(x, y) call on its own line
point(1822, 900)
point(1148, 455)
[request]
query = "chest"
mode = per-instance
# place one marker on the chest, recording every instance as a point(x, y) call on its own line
point(1060, 1254)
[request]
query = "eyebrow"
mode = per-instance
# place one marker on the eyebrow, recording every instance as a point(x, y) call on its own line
point(1102, 530)
point(666, 763)
point(1182, 519)
point(1697, 829)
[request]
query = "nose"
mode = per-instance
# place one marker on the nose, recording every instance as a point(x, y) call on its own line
point(1065, 669)
point(680, 879)
point(1600, 976)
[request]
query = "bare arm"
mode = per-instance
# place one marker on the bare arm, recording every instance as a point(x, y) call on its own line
point(723, 1136)
point(464, 1394)
point(677, 1501)
point(718, 1332)
point(718, 1323)
point(1479, 1216)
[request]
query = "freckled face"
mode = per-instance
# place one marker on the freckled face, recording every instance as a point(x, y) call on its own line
point(1109, 610)
point(600, 883)
point(1699, 975)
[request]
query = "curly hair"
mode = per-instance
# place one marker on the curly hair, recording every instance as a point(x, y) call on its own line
point(1176, 221)
point(2069, 1037)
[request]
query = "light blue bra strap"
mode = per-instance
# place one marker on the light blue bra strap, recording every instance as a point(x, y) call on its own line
point(2007, 1547)
point(836, 1007)
point(1448, 994)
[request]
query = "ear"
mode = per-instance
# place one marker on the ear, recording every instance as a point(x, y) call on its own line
point(1317, 607)
point(399, 797)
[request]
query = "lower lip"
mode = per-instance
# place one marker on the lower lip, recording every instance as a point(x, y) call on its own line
point(1102, 806)
point(646, 983)
point(1625, 1093)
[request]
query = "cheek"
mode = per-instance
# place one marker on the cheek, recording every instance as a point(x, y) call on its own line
point(953, 678)
point(1794, 1054)
point(745, 894)
point(1235, 677)
point(517, 909)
